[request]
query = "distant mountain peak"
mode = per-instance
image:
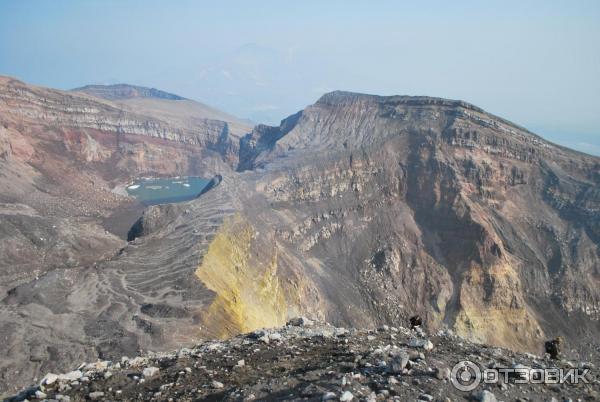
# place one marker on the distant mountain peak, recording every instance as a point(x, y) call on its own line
point(126, 91)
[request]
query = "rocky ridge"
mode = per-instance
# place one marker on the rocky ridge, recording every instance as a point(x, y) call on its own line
point(315, 362)
point(125, 91)
point(75, 110)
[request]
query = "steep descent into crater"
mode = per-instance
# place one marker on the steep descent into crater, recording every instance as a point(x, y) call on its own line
point(434, 206)
point(359, 210)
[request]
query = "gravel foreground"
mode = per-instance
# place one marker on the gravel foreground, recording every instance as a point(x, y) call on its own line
point(315, 362)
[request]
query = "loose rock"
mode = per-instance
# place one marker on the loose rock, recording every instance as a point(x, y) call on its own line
point(150, 372)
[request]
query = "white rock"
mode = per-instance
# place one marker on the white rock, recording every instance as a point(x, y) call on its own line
point(340, 331)
point(71, 376)
point(150, 372)
point(49, 379)
point(217, 385)
point(442, 373)
point(94, 396)
point(138, 361)
point(276, 336)
point(213, 347)
point(98, 366)
point(184, 352)
point(40, 395)
point(346, 396)
point(327, 396)
point(420, 343)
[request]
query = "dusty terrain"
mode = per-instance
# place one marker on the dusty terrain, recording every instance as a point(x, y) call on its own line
point(359, 210)
point(61, 155)
point(313, 363)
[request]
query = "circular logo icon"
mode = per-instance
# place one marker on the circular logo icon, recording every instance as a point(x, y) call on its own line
point(465, 376)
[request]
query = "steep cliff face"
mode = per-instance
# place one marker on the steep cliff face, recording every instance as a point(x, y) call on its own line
point(253, 284)
point(171, 109)
point(75, 111)
point(435, 207)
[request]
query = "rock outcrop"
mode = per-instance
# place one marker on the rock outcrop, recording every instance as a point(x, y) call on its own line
point(315, 362)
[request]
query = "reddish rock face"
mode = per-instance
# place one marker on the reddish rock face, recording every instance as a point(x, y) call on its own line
point(361, 210)
point(62, 154)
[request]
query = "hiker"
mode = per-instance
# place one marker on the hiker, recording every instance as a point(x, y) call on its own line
point(415, 321)
point(553, 347)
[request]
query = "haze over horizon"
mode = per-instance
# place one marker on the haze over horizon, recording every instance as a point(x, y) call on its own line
point(536, 64)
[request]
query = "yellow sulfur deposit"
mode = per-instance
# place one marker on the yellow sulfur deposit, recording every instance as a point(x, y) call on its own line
point(248, 291)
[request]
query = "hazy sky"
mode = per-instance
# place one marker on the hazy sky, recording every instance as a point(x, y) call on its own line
point(536, 63)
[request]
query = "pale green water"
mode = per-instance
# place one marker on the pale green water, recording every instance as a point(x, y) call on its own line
point(166, 190)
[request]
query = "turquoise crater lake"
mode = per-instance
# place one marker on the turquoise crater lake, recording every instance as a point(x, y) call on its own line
point(152, 191)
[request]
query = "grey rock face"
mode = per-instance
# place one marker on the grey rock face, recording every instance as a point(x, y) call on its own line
point(407, 195)
point(399, 363)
